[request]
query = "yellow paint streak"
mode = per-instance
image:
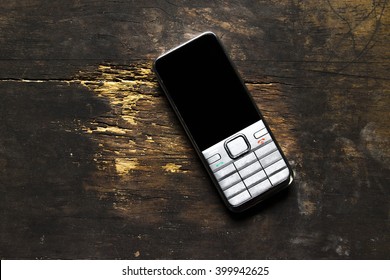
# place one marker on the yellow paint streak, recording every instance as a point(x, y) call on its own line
point(149, 139)
point(125, 165)
point(109, 129)
point(173, 168)
point(122, 87)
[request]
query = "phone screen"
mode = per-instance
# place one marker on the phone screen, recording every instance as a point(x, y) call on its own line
point(206, 91)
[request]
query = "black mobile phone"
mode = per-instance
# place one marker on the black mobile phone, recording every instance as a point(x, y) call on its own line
point(222, 121)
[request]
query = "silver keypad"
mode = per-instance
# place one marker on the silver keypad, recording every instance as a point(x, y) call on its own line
point(235, 189)
point(265, 150)
point(260, 188)
point(222, 173)
point(229, 181)
point(249, 170)
point(279, 177)
point(247, 164)
point(255, 178)
point(276, 167)
point(270, 159)
point(240, 198)
point(245, 161)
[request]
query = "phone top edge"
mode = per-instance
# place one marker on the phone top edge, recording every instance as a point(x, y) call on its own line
point(182, 45)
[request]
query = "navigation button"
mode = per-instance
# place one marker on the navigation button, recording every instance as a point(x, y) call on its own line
point(237, 146)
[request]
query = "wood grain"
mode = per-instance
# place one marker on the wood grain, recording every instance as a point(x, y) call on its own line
point(94, 164)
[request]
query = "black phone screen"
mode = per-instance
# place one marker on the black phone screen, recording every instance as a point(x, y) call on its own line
point(208, 94)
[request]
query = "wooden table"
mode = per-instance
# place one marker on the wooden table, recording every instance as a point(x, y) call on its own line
point(94, 164)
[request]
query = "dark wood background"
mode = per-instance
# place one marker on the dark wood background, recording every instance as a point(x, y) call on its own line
point(94, 164)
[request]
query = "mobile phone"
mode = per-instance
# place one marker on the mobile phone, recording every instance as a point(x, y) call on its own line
point(222, 121)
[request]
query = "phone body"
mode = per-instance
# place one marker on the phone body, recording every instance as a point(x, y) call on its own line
point(222, 121)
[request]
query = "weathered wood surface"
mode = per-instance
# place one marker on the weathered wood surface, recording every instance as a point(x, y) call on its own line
point(94, 164)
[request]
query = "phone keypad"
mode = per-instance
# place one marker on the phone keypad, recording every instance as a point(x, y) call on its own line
point(247, 165)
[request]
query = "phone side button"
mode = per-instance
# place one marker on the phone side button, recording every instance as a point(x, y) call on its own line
point(240, 198)
point(280, 176)
point(234, 190)
point(260, 188)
